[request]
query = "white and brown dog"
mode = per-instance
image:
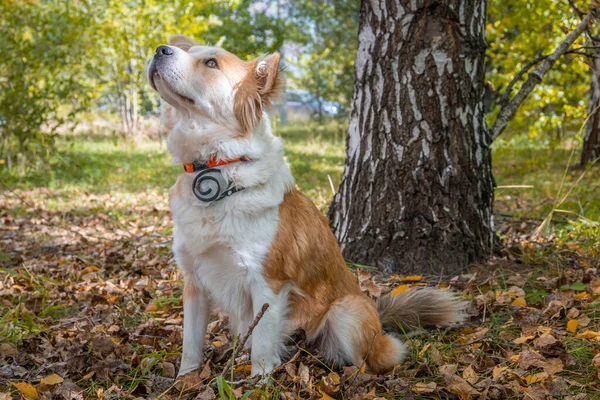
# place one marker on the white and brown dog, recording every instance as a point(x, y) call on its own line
point(245, 236)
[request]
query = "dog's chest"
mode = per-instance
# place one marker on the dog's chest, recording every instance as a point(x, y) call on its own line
point(228, 247)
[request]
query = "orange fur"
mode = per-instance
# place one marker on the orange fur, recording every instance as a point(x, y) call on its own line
point(256, 90)
point(306, 253)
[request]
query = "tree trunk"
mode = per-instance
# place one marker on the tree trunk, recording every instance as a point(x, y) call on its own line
point(417, 190)
point(591, 139)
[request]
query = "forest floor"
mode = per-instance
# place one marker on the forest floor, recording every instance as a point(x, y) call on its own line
point(91, 297)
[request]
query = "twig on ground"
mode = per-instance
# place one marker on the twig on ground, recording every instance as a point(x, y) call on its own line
point(242, 343)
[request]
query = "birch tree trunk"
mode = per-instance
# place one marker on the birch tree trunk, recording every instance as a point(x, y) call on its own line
point(417, 190)
point(591, 139)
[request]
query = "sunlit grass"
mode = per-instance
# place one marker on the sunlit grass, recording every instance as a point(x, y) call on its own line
point(101, 165)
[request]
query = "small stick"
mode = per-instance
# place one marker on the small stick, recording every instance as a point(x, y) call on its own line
point(246, 336)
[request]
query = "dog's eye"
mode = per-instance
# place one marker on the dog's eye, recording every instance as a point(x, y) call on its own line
point(211, 63)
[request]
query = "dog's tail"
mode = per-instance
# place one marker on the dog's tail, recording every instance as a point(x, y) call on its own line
point(420, 307)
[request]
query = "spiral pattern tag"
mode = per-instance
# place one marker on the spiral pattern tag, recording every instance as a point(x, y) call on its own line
point(210, 185)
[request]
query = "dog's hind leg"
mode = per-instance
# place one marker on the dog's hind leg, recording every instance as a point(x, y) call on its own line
point(351, 333)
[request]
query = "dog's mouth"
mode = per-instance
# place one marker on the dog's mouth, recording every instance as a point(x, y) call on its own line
point(163, 85)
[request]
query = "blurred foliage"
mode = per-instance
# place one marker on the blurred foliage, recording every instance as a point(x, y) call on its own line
point(329, 30)
point(75, 55)
point(44, 78)
point(517, 32)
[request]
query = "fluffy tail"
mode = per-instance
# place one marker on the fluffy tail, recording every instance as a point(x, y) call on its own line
point(420, 307)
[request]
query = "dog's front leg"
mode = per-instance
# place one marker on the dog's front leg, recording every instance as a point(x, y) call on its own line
point(196, 310)
point(267, 337)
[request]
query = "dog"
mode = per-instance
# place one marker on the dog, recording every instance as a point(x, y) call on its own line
point(244, 236)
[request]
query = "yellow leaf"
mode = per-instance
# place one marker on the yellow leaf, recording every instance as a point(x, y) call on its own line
point(151, 308)
point(52, 380)
point(399, 290)
point(498, 371)
point(28, 391)
point(535, 378)
point(244, 368)
point(325, 396)
point(572, 325)
point(515, 358)
point(217, 343)
point(588, 334)
point(582, 295)
point(89, 269)
point(523, 339)
point(1, 162)
point(363, 368)
point(424, 349)
point(519, 302)
point(412, 278)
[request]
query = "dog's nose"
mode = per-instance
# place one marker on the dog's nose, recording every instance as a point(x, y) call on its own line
point(164, 51)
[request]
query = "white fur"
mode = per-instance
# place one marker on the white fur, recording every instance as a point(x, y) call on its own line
point(220, 246)
point(226, 241)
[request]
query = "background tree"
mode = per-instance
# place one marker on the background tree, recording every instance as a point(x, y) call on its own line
point(520, 34)
point(591, 140)
point(417, 188)
point(44, 77)
point(328, 32)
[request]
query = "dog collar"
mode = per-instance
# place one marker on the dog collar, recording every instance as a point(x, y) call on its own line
point(196, 165)
point(210, 184)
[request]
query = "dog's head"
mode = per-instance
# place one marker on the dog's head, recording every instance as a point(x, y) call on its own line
point(214, 84)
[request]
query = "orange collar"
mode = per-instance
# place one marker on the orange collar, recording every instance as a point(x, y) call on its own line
point(213, 162)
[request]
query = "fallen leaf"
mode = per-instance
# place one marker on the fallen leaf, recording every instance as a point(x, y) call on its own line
point(470, 375)
point(519, 302)
point(588, 334)
point(582, 296)
point(596, 361)
point(412, 278)
point(498, 371)
point(523, 339)
point(424, 388)
point(573, 313)
point(28, 391)
point(424, 349)
point(244, 368)
point(553, 366)
point(529, 359)
point(89, 269)
point(399, 290)
point(206, 372)
point(572, 325)
point(535, 378)
point(50, 380)
point(304, 376)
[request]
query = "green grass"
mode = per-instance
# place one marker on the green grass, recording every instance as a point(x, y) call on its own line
point(520, 161)
point(99, 164)
point(127, 183)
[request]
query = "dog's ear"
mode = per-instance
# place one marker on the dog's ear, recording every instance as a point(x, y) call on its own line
point(182, 41)
point(256, 90)
point(268, 77)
